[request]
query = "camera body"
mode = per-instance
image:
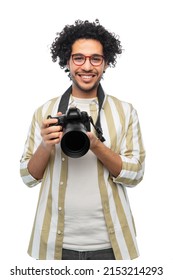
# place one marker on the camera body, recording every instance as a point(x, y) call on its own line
point(75, 123)
point(72, 115)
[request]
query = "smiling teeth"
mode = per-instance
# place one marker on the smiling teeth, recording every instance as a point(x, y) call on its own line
point(87, 77)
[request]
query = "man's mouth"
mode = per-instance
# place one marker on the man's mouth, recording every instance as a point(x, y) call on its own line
point(86, 77)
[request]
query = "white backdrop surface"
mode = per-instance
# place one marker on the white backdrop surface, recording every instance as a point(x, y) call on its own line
point(143, 77)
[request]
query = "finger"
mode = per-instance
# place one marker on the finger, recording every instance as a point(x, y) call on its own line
point(48, 122)
point(59, 113)
point(53, 136)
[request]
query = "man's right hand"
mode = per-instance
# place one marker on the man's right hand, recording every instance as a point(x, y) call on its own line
point(51, 135)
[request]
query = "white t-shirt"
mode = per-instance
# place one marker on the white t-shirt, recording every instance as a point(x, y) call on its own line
point(85, 227)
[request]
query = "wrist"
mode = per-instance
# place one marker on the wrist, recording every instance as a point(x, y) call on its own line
point(95, 144)
point(45, 147)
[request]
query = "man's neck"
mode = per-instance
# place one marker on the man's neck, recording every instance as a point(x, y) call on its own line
point(79, 93)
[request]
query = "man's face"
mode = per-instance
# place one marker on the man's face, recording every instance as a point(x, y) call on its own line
point(86, 77)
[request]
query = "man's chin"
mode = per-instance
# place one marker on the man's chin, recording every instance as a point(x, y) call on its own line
point(86, 88)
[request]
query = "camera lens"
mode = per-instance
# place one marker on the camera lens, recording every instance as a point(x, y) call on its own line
point(75, 142)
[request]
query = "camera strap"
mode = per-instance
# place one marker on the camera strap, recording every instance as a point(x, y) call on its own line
point(63, 106)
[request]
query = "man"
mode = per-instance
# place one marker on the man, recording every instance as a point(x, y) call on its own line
point(83, 210)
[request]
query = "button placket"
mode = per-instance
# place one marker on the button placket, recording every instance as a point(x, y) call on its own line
point(61, 198)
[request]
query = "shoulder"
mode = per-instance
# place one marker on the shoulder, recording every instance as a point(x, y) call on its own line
point(48, 108)
point(123, 107)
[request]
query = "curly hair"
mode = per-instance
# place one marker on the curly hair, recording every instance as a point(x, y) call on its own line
point(62, 45)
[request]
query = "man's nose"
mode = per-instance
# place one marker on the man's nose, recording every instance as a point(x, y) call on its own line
point(87, 65)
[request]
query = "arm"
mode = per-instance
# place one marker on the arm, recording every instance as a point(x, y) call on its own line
point(38, 147)
point(112, 161)
point(127, 167)
point(51, 135)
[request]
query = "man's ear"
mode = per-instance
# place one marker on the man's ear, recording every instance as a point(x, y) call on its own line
point(106, 66)
point(67, 67)
point(68, 64)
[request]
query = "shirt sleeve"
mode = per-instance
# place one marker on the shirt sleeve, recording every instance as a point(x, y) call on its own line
point(33, 141)
point(132, 154)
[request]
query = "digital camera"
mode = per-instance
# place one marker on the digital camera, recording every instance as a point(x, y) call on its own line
point(75, 123)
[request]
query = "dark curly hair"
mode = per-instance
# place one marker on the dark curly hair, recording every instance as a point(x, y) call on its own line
point(62, 45)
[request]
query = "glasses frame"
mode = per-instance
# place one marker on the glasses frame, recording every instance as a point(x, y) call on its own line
point(87, 56)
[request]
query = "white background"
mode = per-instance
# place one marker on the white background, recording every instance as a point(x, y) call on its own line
point(142, 77)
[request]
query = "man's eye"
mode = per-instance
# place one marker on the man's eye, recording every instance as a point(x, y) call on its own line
point(78, 58)
point(96, 58)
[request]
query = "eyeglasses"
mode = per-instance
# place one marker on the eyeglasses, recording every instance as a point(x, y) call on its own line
point(95, 59)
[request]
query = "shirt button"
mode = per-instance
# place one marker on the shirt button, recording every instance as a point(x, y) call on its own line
point(63, 159)
point(60, 208)
point(61, 183)
point(111, 230)
point(59, 232)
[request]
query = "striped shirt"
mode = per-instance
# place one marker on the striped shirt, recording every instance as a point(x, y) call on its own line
point(121, 130)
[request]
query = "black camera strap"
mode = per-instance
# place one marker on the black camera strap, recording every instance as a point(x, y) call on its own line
point(63, 105)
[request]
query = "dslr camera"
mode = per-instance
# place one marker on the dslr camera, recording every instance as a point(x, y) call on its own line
point(75, 123)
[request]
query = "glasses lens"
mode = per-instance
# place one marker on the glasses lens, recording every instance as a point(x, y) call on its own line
point(96, 60)
point(78, 59)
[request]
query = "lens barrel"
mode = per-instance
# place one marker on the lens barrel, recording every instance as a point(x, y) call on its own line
point(75, 142)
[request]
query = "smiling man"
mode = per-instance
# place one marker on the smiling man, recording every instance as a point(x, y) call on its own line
point(86, 66)
point(83, 210)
